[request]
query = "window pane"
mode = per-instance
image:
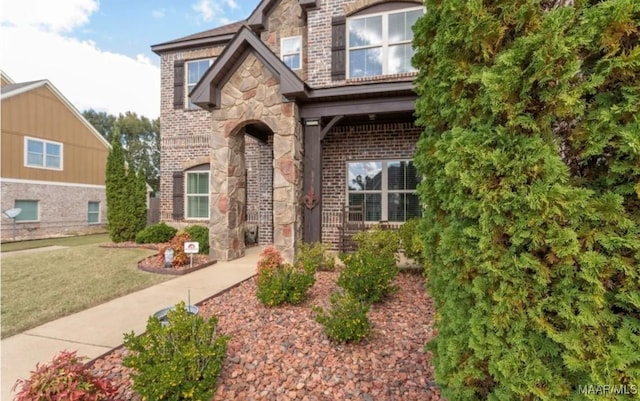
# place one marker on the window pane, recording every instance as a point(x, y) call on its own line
point(29, 210)
point(197, 206)
point(35, 146)
point(397, 25)
point(412, 18)
point(365, 31)
point(373, 207)
point(292, 61)
point(94, 212)
point(400, 59)
point(35, 159)
point(413, 206)
point(197, 183)
point(365, 176)
point(396, 204)
point(291, 45)
point(365, 62)
point(195, 71)
point(53, 149)
point(53, 161)
point(396, 173)
point(412, 178)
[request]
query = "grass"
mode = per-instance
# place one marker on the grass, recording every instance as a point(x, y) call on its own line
point(40, 287)
point(66, 241)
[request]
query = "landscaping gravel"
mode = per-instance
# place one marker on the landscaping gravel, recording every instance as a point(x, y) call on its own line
point(283, 354)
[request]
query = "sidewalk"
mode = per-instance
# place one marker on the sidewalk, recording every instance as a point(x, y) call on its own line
point(97, 330)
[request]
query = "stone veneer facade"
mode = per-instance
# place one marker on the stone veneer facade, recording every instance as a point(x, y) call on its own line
point(252, 96)
point(63, 209)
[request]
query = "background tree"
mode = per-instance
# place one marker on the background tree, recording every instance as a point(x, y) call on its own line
point(530, 159)
point(140, 141)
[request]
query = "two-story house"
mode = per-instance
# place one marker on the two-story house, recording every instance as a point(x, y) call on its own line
point(285, 118)
point(53, 164)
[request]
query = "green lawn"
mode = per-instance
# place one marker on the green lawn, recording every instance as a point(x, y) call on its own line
point(43, 286)
point(66, 241)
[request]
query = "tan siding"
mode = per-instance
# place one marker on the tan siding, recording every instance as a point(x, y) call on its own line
point(41, 114)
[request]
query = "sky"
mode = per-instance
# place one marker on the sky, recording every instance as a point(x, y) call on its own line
point(97, 53)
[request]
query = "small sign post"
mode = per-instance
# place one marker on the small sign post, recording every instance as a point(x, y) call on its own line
point(191, 248)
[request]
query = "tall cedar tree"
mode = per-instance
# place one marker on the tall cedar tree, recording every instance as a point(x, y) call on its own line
point(126, 195)
point(530, 159)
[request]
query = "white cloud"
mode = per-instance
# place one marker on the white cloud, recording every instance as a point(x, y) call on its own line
point(207, 9)
point(56, 16)
point(232, 4)
point(86, 75)
point(159, 13)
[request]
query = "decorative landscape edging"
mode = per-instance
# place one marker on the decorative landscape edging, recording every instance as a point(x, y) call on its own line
point(172, 271)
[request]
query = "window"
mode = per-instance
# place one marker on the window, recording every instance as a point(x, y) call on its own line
point(380, 44)
point(29, 210)
point(39, 153)
point(198, 195)
point(291, 52)
point(386, 189)
point(94, 213)
point(195, 70)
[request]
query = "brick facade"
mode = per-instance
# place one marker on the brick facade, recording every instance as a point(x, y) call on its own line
point(357, 143)
point(63, 209)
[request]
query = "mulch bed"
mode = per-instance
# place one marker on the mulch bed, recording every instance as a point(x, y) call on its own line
point(282, 353)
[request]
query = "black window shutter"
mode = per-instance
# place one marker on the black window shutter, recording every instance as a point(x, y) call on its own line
point(178, 84)
point(338, 48)
point(178, 195)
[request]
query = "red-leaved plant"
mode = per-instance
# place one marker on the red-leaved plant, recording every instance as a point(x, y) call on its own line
point(180, 258)
point(65, 378)
point(270, 259)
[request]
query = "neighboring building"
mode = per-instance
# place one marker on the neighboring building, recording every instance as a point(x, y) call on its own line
point(285, 118)
point(53, 164)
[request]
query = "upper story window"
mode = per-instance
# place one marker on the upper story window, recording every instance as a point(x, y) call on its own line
point(380, 44)
point(194, 71)
point(39, 153)
point(291, 52)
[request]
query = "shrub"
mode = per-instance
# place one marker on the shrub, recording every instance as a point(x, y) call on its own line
point(346, 320)
point(368, 275)
point(65, 378)
point(155, 234)
point(383, 242)
point(199, 234)
point(180, 257)
point(411, 241)
point(312, 256)
point(177, 361)
point(529, 159)
point(280, 282)
point(284, 284)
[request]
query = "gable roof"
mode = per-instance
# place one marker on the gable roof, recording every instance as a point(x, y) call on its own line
point(12, 90)
point(206, 93)
point(5, 78)
point(212, 36)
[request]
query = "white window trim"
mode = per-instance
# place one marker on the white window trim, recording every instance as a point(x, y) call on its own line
point(37, 220)
point(99, 213)
point(282, 54)
point(186, 195)
point(187, 100)
point(385, 39)
point(383, 191)
point(44, 154)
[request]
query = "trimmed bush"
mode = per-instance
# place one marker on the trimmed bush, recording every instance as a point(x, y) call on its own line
point(383, 242)
point(201, 235)
point(65, 378)
point(368, 275)
point(178, 361)
point(155, 234)
point(280, 282)
point(346, 320)
point(313, 256)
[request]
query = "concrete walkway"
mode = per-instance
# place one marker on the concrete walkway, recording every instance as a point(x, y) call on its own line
point(95, 331)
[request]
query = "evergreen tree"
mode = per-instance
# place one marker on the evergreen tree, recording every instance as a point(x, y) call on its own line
point(116, 188)
point(530, 159)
